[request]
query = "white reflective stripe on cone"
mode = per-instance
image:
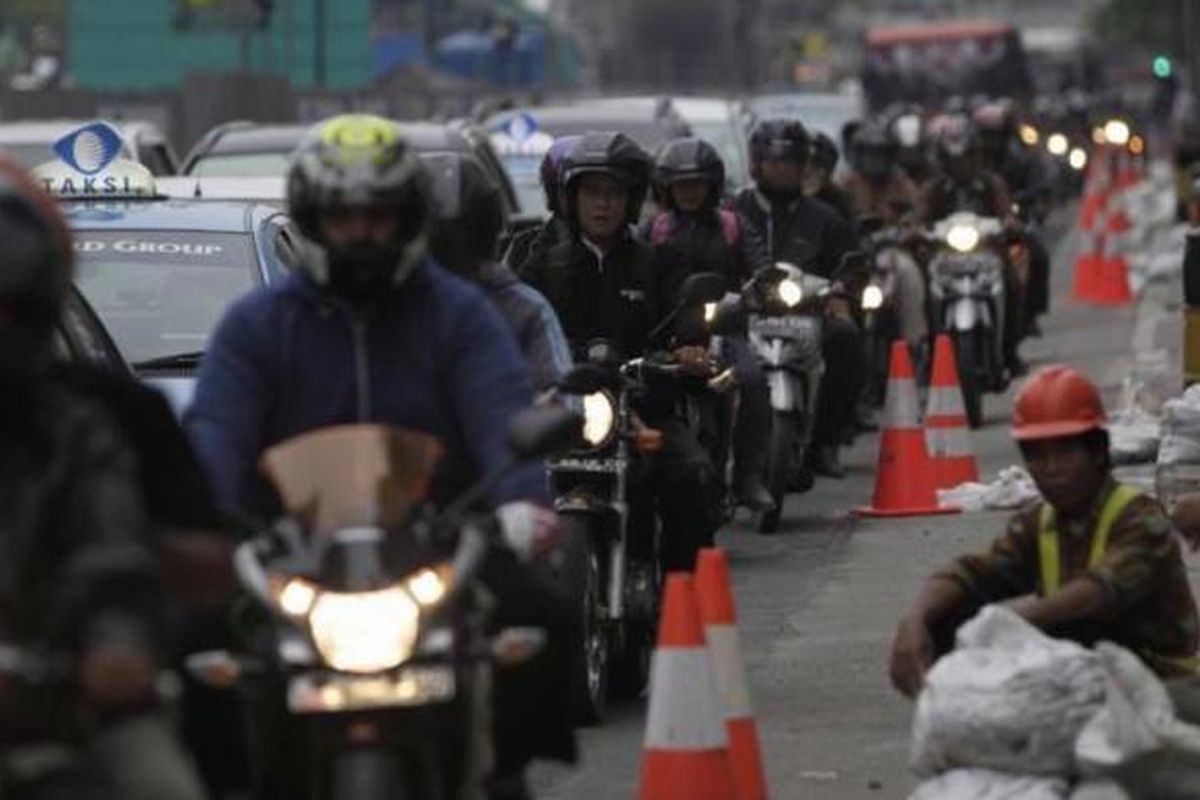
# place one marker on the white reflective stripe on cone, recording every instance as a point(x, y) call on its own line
point(943, 442)
point(901, 409)
point(944, 401)
point(683, 711)
point(731, 676)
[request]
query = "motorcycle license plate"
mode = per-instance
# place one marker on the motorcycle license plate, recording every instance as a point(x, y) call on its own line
point(327, 692)
point(783, 327)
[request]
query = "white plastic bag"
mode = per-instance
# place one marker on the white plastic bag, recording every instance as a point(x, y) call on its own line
point(1009, 698)
point(1012, 489)
point(1136, 739)
point(986, 784)
point(1181, 429)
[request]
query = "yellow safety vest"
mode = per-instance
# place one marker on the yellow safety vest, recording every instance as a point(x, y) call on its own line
point(1051, 562)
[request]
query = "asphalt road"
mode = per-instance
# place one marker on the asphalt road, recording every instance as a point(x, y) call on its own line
point(818, 601)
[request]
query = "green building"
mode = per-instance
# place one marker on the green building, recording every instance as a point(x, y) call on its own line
point(156, 44)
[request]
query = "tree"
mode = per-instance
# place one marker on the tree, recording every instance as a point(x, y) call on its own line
point(1154, 24)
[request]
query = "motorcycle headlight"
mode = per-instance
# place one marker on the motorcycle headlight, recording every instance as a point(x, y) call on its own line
point(872, 298)
point(1029, 135)
point(963, 238)
point(1116, 131)
point(1078, 159)
point(599, 418)
point(364, 632)
point(789, 292)
point(1058, 144)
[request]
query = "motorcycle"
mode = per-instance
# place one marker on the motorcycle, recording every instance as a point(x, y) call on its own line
point(610, 553)
point(370, 616)
point(968, 292)
point(785, 308)
point(882, 310)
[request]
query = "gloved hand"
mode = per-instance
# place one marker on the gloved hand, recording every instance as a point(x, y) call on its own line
point(528, 528)
point(694, 360)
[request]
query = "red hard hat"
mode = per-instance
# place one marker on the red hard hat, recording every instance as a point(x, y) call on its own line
point(1057, 401)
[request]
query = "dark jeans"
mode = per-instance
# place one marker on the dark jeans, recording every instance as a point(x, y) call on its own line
point(685, 486)
point(841, 385)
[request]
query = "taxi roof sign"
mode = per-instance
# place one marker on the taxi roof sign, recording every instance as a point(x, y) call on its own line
point(89, 167)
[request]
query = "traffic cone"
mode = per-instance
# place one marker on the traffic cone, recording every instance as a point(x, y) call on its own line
point(904, 478)
point(686, 750)
point(714, 597)
point(1112, 286)
point(946, 433)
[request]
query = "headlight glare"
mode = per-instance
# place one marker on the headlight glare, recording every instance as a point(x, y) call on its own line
point(789, 292)
point(872, 298)
point(1078, 159)
point(364, 632)
point(1058, 144)
point(297, 597)
point(599, 418)
point(1117, 132)
point(426, 587)
point(963, 238)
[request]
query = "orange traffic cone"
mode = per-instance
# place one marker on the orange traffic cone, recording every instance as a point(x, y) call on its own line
point(904, 478)
point(1112, 288)
point(714, 597)
point(946, 432)
point(686, 752)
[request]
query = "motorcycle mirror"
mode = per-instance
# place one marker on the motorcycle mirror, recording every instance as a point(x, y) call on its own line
point(701, 288)
point(584, 379)
point(542, 430)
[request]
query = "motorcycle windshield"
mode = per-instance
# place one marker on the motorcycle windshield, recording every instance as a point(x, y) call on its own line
point(352, 475)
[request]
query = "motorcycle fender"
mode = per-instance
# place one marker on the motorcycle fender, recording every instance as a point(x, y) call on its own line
point(964, 315)
point(783, 391)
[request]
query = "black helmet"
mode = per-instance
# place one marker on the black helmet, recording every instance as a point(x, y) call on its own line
point(874, 150)
point(358, 161)
point(780, 140)
point(955, 140)
point(549, 172)
point(467, 211)
point(824, 152)
point(998, 117)
point(685, 159)
point(611, 154)
point(35, 275)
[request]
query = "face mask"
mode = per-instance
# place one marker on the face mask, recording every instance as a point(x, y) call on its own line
point(359, 271)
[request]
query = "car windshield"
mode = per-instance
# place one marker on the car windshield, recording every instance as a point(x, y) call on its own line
point(722, 135)
point(161, 293)
point(523, 172)
point(242, 165)
point(28, 155)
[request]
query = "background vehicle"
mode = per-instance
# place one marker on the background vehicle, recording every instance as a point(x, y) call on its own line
point(725, 124)
point(968, 291)
point(29, 143)
point(376, 624)
point(888, 252)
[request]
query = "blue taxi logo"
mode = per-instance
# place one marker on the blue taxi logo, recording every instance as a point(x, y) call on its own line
point(521, 127)
point(89, 149)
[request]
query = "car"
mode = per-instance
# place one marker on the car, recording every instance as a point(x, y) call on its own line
point(827, 112)
point(158, 272)
point(29, 143)
point(249, 150)
point(525, 134)
point(726, 125)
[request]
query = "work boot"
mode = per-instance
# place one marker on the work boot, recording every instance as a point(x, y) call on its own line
point(824, 460)
point(752, 492)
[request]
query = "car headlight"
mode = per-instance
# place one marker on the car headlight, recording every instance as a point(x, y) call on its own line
point(789, 292)
point(364, 632)
point(963, 238)
point(1117, 132)
point(1078, 159)
point(872, 298)
point(1058, 144)
point(599, 418)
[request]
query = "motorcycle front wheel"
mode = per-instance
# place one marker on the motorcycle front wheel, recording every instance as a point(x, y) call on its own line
point(584, 589)
point(968, 352)
point(785, 428)
point(368, 773)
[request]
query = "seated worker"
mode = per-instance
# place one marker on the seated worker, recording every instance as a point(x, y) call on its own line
point(1095, 560)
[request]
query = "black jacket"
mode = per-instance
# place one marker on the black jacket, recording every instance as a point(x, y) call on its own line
point(526, 243)
point(702, 243)
point(804, 231)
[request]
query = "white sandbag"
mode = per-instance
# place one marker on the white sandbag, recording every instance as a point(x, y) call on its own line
point(1008, 698)
point(986, 784)
point(1012, 488)
point(1136, 738)
point(1094, 789)
point(1134, 436)
point(1181, 429)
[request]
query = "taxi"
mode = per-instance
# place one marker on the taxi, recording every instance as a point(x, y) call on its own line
point(159, 272)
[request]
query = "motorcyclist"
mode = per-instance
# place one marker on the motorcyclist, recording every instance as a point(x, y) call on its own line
point(811, 235)
point(370, 329)
point(1028, 182)
point(818, 178)
point(468, 215)
point(81, 577)
point(605, 283)
point(554, 229)
point(1093, 561)
point(908, 129)
point(876, 185)
point(689, 178)
point(963, 184)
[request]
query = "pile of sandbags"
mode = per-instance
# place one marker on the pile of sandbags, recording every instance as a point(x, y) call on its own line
point(1013, 713)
